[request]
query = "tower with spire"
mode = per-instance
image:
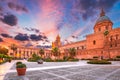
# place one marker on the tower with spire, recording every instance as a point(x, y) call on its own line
point(103, 23)
point(57, 42)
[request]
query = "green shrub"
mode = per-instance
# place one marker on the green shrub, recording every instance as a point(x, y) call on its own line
point(21, 66)
point(4, 61)
point(74, 59)
point(60, 60)
point(49, 60)
point(117, 56)
point(99, 62)
point(86, 59)
point(95, 56)
point(66, 58)
point(34, 58)
point(18, 63)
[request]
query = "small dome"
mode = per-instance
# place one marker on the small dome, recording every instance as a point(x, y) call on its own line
point(102, 18)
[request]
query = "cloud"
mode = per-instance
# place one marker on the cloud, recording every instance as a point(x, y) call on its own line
point(35, 37)
point(32, 29)
point(47, 41)
point(1, 40)
point(22, 37)
point(17, 7)
point(87, 8)
point(49, 16)
point(5, 35)
point(28, 44)
point(74, 36)
point(44, 37)
point(1, 9)
point(10, 19)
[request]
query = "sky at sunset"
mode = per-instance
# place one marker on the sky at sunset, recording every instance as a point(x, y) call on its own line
point(38, 22)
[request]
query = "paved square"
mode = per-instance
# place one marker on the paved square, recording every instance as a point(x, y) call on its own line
point(84, 72)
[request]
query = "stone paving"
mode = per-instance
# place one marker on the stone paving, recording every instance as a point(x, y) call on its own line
point(84, 72)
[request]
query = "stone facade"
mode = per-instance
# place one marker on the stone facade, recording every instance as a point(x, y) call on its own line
point(57, 42)
point(23, 52)
point(98, 44)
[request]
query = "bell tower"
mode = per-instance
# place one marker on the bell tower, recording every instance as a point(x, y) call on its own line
point(57, 42)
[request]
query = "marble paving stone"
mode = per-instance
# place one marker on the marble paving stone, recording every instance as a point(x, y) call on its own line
point(96, 73)
point(86, 72)
point(60, 73)
point(36, 65)
point(107, 69)
point(80, 77)
point(78, 69)
point(115, 76)
point(55, 79)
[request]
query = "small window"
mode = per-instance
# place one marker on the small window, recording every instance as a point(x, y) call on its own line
point(19, 51)
point(111, 45)
point(111, 38)
point(99, 29)
point(115, 45)
point(106, 27)
point(94, 42)
point(82, 47)
point(116, 37)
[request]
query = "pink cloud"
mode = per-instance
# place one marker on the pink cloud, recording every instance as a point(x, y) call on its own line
point(88, 26)
point(48, 18)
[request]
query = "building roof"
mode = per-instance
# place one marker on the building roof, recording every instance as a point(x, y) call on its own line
point(103, 18)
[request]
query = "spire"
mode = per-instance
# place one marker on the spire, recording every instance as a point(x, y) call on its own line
point(58, 36)
point(102, 13)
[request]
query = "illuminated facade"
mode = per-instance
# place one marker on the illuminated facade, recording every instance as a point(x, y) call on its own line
point(104, 42)
point(23, 52)
point(57, 42)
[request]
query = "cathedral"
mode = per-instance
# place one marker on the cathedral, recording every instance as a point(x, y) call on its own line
point(105, 41)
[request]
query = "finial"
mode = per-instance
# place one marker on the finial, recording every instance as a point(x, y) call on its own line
point(102, 13)
point(58, 35)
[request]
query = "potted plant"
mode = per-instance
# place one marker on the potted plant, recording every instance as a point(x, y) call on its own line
point(18, 63)
point(21, 69)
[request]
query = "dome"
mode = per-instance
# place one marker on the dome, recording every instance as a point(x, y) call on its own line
point(103, 18)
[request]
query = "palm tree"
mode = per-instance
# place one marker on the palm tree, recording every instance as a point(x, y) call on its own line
point(55, 52)
point(72, 52)
point(41, 52)
point(14, 48)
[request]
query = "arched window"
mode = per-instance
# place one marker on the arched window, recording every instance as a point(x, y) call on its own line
point(94, 42)
point(106, 27)
point(111, 38)
point(99, 29)
point(117, 37)
point(111, 45)
point(82, 47)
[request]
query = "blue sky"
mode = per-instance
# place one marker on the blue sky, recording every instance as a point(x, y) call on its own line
point(38, 22)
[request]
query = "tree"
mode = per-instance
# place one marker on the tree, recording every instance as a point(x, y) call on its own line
point(14, 48)
point(55, 52)
point(72, 52)
point(41, 52)
point(106, 33)
point(3, 50)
